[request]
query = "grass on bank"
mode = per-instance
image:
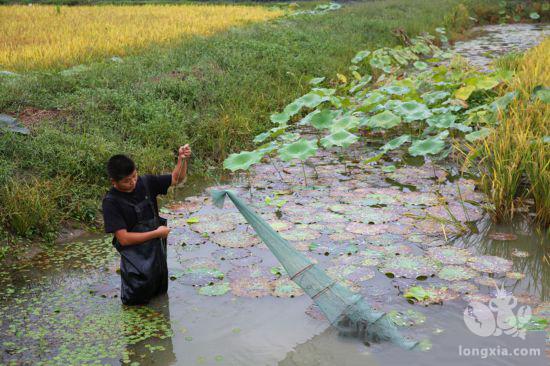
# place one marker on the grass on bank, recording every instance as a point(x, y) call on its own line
point(215, 92)
point(515, 159)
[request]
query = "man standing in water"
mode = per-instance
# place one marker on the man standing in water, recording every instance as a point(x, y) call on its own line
point(130, 212)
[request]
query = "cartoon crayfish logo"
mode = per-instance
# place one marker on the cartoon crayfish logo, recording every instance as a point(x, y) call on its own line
point(479, 318)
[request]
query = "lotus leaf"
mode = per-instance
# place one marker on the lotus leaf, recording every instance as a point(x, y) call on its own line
point(479, 134)
point(293, 108)
point(280, 118)
point(432, 145)
point(442, 120)
point(372, 99)
point(420, 65)
point(396, 142)
point(396, 89)
point(490, 264)
point(534, 15)
point(345, 123)
point(434, 97)
point(341, 138)
point(215, 289)
point(252, 286)
point(407, 318)
point(456, 273)
point(242, 160)
point(381, 62)
point(360, 56)
point(413, 111)
point(301, 150)
point(231, 253)
point(323, 119)
point(384, 120)
point(316, 81)
point(449, 255)
point(312, 100)
point(235, 239)
point(409, 266)
point(464, 92)
point(284, 287)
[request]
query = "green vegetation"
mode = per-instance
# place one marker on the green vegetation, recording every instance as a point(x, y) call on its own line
point(215, 92)
point(515, 159)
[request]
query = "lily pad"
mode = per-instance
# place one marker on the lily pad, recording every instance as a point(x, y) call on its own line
point(242, 160)
point(199, 272)
point(212, 224)
point(456, 273)
point(449, 254)
point(407, 318)
point(280, 225)
point(420, 65)
point(479, 134)
point(370, 215)
point(297, 234)
point(216, 289)
point(409, 266)
point(490, 264)
point(413, 111)
point(430, 294)
point(366, 229)
point(235, 239)
point(384, 120)
point(360, 56)
point(285, 287)
point(434, 97)
point(396, 142)
point(231, 253)
point(346, 122)
point(252, 286)
point(482, 298)
point(385, 240)
point(341, 138)
point(324, 119)
point(443, 121)
point(432, 145)
point(311, 100)
point(301, 150)
point(246, 261)
point(463, 287)
point(396, 89)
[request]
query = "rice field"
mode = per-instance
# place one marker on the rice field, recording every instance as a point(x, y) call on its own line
point(49, 37)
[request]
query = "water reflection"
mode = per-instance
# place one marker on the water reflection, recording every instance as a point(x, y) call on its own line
point(156, 350)
point(530, 241)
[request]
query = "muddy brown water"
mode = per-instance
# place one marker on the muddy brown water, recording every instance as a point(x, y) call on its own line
point(62, 307)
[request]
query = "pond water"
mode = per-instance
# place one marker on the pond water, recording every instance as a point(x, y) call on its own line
point(62, 307)
point(492, 41)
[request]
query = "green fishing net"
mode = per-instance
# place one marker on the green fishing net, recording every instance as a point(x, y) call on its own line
point(346, 310)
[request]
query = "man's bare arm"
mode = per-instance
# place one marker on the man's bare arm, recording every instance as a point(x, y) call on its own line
point(180, 171)
point(125, 237)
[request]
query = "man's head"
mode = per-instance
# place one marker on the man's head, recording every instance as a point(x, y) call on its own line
point(122, 172)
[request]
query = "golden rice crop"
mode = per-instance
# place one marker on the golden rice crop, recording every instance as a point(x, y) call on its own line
point(516, 154)
point(43, 37)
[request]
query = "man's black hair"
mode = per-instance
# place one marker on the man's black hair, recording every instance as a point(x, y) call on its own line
point(120, 166)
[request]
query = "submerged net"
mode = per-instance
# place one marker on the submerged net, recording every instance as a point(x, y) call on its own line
point(344, 309)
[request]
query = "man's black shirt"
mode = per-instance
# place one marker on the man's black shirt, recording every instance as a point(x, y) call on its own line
point(118, 215)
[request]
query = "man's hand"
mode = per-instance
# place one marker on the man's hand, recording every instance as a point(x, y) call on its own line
point(184, 152)
point(162, 231)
